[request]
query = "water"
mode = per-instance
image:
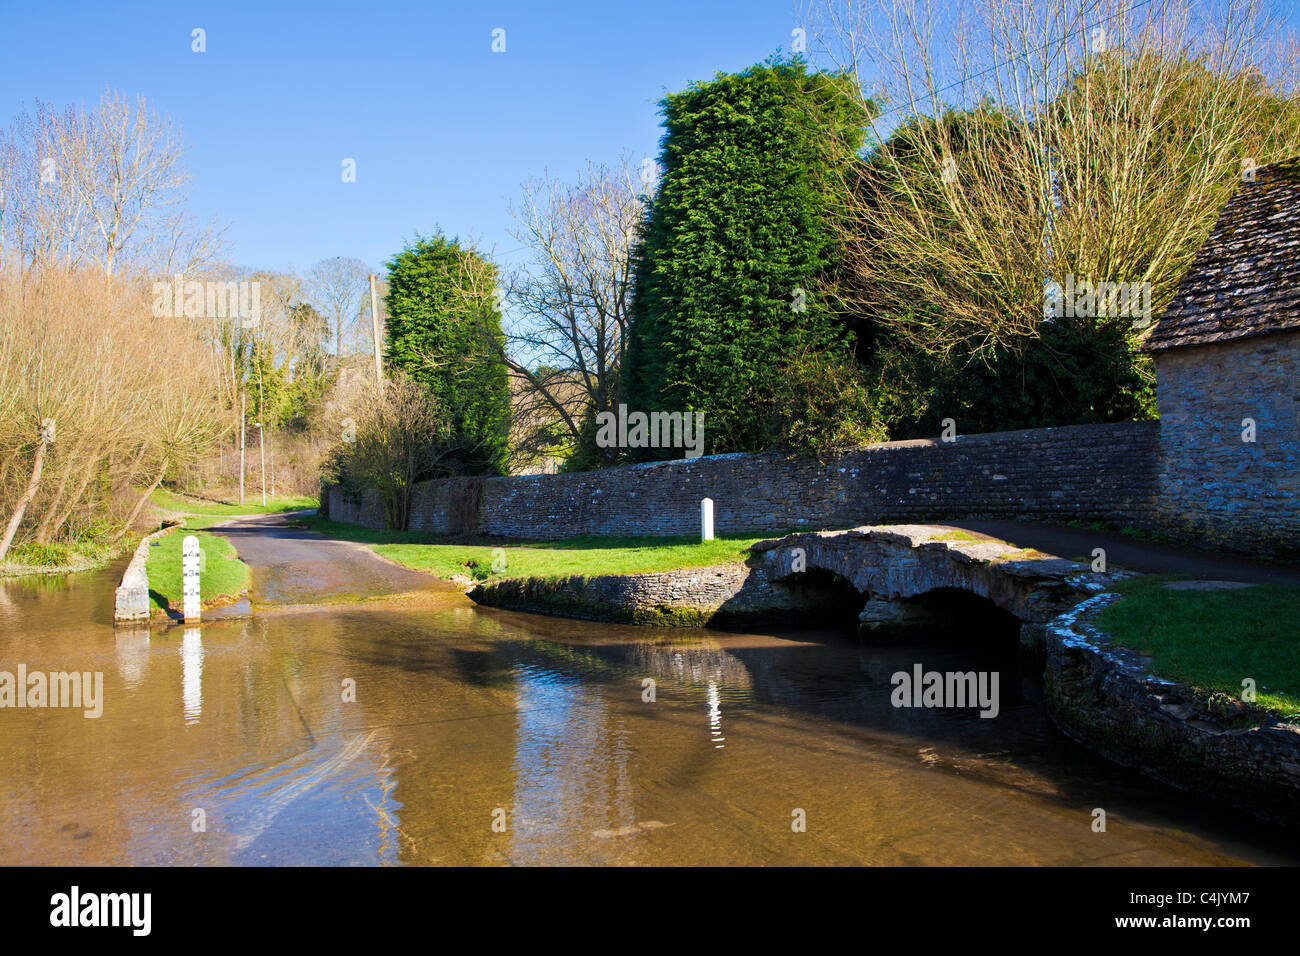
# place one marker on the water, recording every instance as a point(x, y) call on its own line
point(232, 743)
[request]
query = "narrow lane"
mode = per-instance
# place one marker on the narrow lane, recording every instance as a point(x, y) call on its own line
point(291, 566)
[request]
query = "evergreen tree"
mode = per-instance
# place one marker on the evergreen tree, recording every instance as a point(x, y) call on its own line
point(739, 238)
point(444, 329)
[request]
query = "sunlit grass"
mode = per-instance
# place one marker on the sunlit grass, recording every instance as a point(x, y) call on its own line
point(222, 575)
point(1213, 640)
point(252, 504)
point(587, 556)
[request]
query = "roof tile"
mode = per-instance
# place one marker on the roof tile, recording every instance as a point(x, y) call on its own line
point(1245, 280)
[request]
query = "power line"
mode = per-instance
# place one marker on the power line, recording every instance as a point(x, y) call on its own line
point(997, 66)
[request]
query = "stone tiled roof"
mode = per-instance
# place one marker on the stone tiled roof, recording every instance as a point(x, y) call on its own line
point(1245, 280)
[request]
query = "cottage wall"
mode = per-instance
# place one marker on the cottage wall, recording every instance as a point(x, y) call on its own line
point(1217, 485)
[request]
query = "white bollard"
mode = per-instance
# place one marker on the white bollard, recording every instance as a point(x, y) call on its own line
point(706, 519)
point(191, 555)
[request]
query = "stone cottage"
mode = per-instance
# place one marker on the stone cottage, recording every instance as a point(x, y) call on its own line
point(1227, 358)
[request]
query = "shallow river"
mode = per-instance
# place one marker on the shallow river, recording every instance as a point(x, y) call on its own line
point(488, 737)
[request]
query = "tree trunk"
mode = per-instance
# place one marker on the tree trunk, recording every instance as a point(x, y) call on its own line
point(32, 484)
point(44, 529)
point(140, 504)
point(81, 490)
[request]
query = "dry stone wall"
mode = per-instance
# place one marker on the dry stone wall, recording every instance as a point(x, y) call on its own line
point(1090, 472)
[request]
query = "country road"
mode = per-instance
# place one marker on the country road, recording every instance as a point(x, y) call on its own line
point(291, 566)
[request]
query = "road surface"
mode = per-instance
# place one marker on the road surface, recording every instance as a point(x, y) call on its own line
point(291, 566)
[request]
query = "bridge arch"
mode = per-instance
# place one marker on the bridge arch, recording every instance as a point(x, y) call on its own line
point(889, 564)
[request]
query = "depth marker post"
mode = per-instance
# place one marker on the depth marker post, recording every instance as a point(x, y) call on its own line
point(191, 556)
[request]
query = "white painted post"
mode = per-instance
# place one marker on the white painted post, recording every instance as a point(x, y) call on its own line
point(191, 555)
point(706, 519)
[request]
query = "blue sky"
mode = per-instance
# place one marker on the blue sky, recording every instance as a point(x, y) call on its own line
point(442, 129)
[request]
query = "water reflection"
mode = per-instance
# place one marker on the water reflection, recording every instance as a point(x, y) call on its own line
point(570, 765)
point(715, 716)
point(192, 674)
point(131, 652)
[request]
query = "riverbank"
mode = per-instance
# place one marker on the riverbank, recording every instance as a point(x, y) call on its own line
point(94, 555)
point(1228, 733)
point(1222, 639)
point(39, 560)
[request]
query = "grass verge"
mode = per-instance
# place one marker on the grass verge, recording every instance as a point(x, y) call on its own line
point(1213, 640)
point(499, 559)
point(59, 558)
point(222, 576)
point(163, 498)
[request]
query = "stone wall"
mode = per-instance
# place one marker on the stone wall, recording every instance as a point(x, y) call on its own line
point(131, 600)
point(1105, 697)
point(721, 596)
point(1215, 487)
point(1091, 472)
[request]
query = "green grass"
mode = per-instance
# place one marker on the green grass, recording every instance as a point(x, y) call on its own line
point(1212, 640)
point(222, 576)
point(957, 534)
point(200, 522)
point(85, 554)
point(587, 556)
point(252, 504)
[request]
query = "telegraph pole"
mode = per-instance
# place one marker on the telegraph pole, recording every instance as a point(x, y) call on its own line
point(261, 436)
point(374, 324)
point(241, 446)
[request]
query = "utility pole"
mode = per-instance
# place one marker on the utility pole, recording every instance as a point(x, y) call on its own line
point(241, 446)
point(374, 323)
point(261, 437)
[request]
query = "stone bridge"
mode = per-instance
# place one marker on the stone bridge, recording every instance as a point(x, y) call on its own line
point(892, 564)
point(894, 575)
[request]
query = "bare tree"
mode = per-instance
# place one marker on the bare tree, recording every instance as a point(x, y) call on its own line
point(401, 437)
point(90, 403)
point(569, 304)
point(1045, 139)
point(106, 187)
point(339, 288)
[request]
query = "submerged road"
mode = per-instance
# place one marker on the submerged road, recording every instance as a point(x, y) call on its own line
point(291, 566)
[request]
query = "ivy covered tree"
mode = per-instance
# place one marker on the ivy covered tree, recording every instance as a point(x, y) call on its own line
point(444, 330)
point(731, 270)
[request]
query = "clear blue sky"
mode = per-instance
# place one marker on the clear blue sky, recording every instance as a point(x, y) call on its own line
point(442, 129)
